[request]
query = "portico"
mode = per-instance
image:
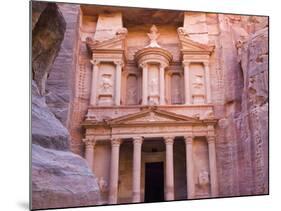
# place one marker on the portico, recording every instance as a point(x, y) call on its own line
point(143, 129)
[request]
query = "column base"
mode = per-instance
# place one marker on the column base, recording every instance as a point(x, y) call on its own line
point(136, 198)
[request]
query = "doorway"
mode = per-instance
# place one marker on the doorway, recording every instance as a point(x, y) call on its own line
point(154, 182)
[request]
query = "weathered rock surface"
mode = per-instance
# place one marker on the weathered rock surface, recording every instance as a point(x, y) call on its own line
point(47, 36)
point(252, 122)
point(243, 155)
point(60, 80)
point(61, 179)
point(37, 9)
point(47, 131)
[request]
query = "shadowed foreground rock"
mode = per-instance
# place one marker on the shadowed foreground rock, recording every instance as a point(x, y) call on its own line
point(47, 130)
point(61, 179)
point(47, 36)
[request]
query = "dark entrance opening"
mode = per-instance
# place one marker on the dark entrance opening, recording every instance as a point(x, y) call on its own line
point(154, 182)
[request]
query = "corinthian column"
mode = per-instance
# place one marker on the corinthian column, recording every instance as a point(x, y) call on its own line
point(162, 84)
point(144, 83)
point(89, 152)
point(213, 166)
point(207, 79)
point(95, 72)
point(189, 167)
point(119, 65)
point(137, 169)
point(114, 170)
point(169, 141)
point(187, 90)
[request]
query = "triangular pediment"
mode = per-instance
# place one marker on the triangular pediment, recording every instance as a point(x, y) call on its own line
point(153, 116)
point(116, 43)
point(189, 45)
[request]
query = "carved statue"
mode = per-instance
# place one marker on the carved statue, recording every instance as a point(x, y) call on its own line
point(203, 178)
point(106, 83)
point(153, 36)
point(198, 84)
point(153, 85)
point(183, 32)
point(239, 45)
point(176, 97)
point(103, 185)
point(131, 96)
point(121, 32)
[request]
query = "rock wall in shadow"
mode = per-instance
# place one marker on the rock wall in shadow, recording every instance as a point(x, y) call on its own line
point(59, 177)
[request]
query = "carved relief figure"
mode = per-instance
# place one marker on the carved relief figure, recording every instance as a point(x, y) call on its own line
point(131, 90)
point(106, 83)
point(198, 83)
point(183, 32)
point(176, 97)
point(153, 85)
point(122, 32)
point(153, 36)
point(103, 185)
point(203, 178)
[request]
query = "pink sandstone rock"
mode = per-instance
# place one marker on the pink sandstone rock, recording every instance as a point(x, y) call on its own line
point(61, 179)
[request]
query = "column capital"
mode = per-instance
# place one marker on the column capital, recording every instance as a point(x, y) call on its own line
point(115, 142)
point(95, 62)
point(163, 65)
point(138, 140)
point(186, 63)
point(143, 65)
point(89, 141)
point(206, 63)
point(118, 63)
point(188, 139)
point(169, 139)
point(211, 139)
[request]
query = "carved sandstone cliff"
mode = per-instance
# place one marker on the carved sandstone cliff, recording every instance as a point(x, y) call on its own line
point(243, 150)
point(59, 177)
point(252, 122)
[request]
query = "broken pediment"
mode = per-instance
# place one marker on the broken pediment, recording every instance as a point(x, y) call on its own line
point(153, 116)
point(191, 46)
point(115, 43)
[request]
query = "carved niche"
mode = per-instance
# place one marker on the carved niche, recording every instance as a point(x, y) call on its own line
point(106, 84)
point(176, 97)
point(198, 83)
point(153, 84)
point(131, 95)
